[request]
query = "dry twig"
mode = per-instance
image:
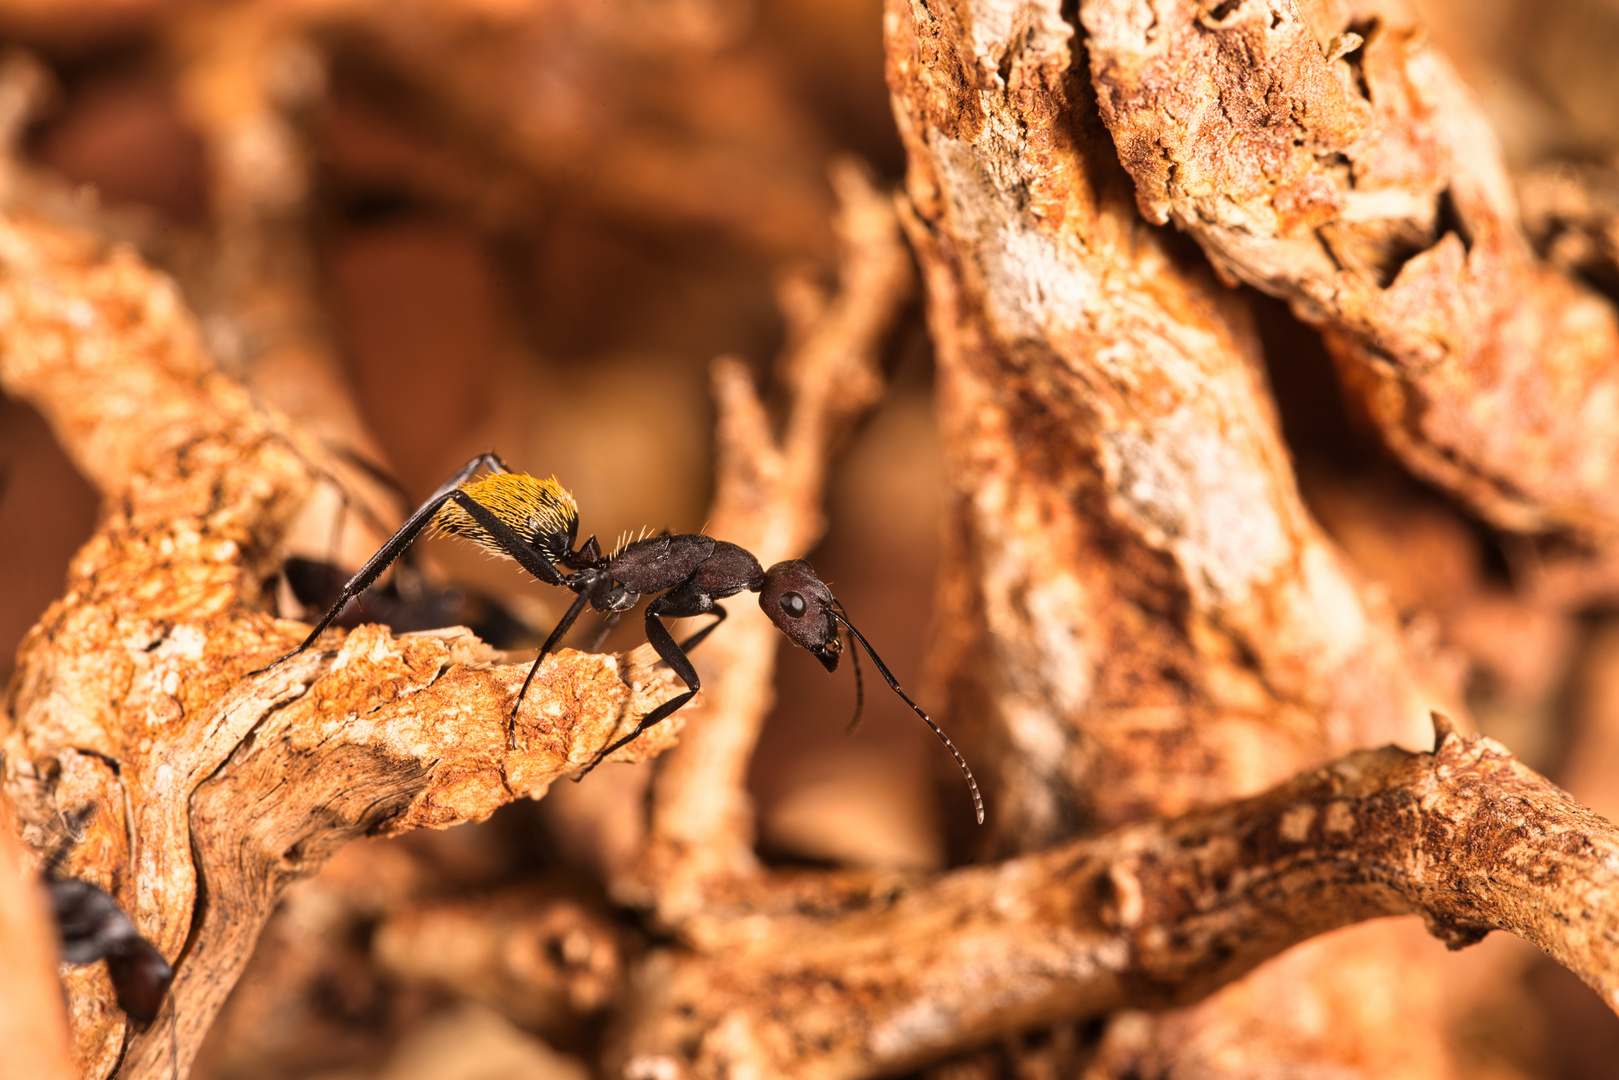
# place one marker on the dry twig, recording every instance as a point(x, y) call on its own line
point(1153, 914)
point(130, 694)
point(769, 500)
point(548, 962)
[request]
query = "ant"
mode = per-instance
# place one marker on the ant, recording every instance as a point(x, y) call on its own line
point(404, 604)
point(93, 927)
point(90, 926)
point(536, 523)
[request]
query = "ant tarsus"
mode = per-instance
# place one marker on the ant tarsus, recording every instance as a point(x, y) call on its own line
point(536, 523)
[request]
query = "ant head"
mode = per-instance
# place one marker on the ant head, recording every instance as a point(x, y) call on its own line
point(801, 606)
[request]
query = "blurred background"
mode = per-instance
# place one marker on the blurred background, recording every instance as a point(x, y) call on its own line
point(530, 226)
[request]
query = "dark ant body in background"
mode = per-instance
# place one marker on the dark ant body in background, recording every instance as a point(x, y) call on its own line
point(90, 926)
point(536, 522)
point(404, 605)
point(93, 927)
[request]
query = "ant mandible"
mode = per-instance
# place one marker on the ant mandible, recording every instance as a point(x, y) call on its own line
point(536, 522)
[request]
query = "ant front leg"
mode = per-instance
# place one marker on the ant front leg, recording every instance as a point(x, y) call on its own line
point(684, 602)
point(700, 636)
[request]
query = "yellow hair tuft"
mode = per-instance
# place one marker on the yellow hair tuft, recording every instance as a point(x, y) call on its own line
point(542, 512)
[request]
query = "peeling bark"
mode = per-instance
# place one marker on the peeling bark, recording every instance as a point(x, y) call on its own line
point(1138, 615)
point(1327, 154)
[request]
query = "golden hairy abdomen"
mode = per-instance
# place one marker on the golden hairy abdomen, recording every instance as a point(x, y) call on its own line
point(531, 506)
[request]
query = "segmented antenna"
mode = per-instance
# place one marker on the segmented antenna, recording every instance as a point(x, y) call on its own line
point(893, 684)
point(859, 683)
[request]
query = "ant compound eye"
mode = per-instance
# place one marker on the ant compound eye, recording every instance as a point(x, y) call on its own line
point(793, 604)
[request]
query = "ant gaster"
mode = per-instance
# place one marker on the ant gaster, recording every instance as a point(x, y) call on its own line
point(536, 522)
point(93, 927)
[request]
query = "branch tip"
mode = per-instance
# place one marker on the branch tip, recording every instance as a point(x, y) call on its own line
point(1443, 728)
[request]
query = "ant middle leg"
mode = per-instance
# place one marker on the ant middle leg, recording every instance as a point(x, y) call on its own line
point(567, 621)
point(606, 628)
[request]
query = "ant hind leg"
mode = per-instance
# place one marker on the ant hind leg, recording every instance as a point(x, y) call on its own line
point(503, 534)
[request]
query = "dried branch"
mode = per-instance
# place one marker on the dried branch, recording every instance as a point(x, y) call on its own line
point(1132, 559)
point(131, 691)
point(768, 499)
point(1138, 615)
point(1329, 155)
point(1153, 914)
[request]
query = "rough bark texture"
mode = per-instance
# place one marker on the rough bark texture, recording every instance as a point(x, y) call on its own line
point(1142, 594)
point(1326, 153)
point(1163, 670)
point(1139, 615)
point(1150, 915)
point(131, 693)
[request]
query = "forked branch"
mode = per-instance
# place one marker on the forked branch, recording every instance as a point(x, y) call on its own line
point(132, 692)
point(1154, 914)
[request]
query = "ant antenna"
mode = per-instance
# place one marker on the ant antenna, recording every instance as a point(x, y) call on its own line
point(893, 684)
point(859, 682)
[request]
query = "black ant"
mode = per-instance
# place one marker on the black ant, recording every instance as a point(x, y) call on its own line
point(90, 926)
point(403, 605)
point(536, 522)
point(93, 927)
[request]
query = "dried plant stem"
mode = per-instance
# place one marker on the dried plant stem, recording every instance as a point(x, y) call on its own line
point(768, 500)
point(1153, 914)
point(132, 694)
